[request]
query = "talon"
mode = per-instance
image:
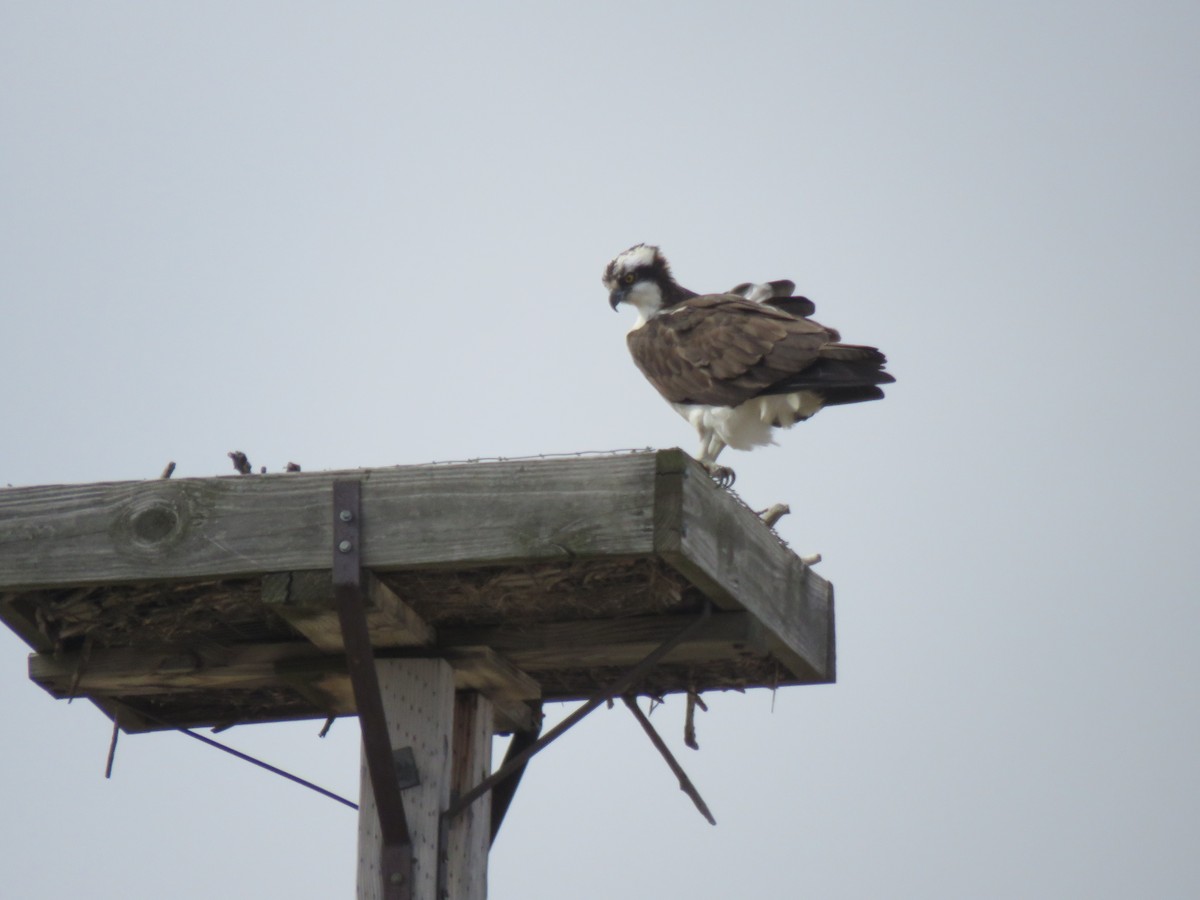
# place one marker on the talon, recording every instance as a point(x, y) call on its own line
point(722, 475)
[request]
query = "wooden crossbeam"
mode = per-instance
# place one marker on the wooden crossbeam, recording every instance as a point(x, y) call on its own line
point(494, 660)
point(140, 671)
point(482, 670)
point(612, 642)
point(305, 600)
point(501, 662)
point(147, 672)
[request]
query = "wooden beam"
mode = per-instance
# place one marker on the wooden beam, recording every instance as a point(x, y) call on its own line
point(435, 515)
point(131, 672)
point(484, 671)
point(728, 552)
point(306, 601)
point(109, 674)
point(612, 642)
point(501, 661)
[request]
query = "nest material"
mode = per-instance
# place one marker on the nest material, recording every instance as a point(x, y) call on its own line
point(548, 592)
point(232, 611)
point(156, 614)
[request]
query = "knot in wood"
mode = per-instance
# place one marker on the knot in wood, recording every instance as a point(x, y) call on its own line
point(155, 523)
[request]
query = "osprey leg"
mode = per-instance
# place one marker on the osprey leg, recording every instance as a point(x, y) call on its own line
point(710, 448)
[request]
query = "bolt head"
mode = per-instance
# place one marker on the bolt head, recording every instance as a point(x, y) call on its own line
point(345, 546)
point(346, 516)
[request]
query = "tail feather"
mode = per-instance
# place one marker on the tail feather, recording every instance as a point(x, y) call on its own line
point(843, 373)
point(842, 396)
point(853, 352)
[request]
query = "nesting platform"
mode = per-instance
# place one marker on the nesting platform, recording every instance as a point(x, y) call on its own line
point(209, 601)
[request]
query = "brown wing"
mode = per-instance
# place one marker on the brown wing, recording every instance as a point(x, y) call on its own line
point(721, 350)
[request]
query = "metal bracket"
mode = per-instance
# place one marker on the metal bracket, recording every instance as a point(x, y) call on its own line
point(396, 855)
point(405, 762)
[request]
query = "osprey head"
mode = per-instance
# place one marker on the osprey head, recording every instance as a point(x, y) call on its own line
point(640, 277)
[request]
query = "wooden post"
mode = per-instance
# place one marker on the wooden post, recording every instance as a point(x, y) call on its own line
point(451, 739)
point(471, 832)
point(418, 700)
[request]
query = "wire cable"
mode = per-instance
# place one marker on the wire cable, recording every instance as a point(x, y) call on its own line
point(250, 759)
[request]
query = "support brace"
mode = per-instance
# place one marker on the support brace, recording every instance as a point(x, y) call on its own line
point(618, 687)
point(396, 856)
point(503, 792)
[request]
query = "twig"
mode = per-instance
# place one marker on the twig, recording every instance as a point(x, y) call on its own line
point(240, 462)
point(685, 783)
point(689, 724)
point(292, 467)
point(112, 749)
point(169, 470)
point(774, 686)
point(811, 560)
point(325, 728)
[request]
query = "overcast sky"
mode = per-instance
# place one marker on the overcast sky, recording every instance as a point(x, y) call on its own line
point(372, 233)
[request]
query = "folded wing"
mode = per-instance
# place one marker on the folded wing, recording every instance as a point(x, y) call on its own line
point(723, 349)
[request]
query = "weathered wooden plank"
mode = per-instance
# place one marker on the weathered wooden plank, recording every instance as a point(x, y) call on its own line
point(613, 642)
point(125, 672)
point(135, 671)
point(306, 601)
point(727, 551)
point(501, 661)
point(439, 515)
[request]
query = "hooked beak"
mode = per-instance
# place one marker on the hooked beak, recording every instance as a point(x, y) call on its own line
point(617, 297)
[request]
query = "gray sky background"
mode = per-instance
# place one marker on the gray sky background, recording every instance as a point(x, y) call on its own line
point(369, 234)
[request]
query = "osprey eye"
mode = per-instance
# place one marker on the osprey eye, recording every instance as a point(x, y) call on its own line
point(629, 278)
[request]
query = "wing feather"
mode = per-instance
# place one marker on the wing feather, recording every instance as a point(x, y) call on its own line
point(722, 350)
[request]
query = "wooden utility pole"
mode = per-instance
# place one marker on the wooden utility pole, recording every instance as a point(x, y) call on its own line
point(424, 714)
point(441, 604)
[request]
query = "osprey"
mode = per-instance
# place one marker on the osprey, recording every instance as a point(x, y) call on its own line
point(740, 364)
